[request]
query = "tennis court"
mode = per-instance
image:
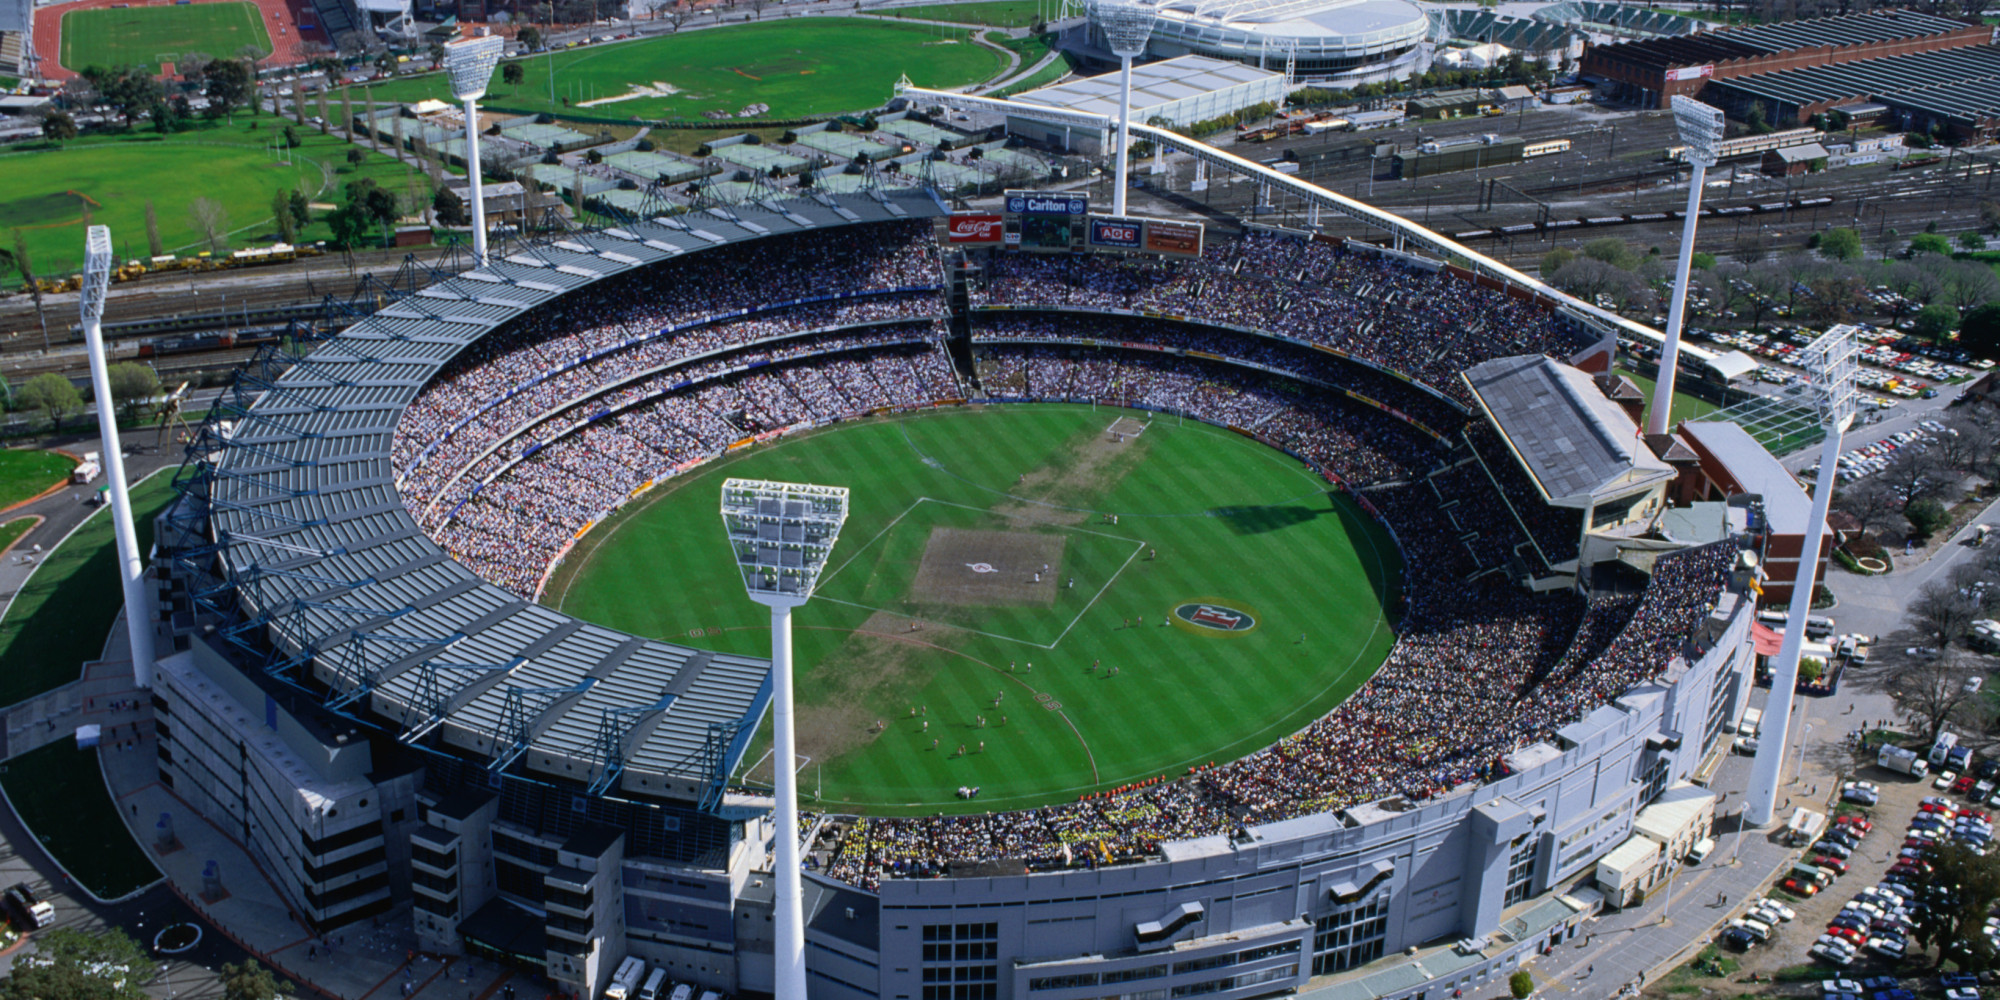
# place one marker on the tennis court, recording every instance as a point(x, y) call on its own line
point(655, 165)
point(758, 158)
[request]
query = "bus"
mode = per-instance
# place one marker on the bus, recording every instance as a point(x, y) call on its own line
point(1552, 146)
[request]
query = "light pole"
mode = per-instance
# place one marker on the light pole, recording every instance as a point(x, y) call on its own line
point(781, 534)
point(138, 624)
point(1830, 364)
point(469, 62)
point(1126, 24)
point(1701, 128)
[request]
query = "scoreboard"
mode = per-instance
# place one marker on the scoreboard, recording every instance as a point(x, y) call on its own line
point(1060, 222)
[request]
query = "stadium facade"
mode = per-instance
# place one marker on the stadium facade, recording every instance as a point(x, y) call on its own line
point(1338, 42)
point(381, 726)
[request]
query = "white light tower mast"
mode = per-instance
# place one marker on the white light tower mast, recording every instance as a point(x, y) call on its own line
point(131, 572)
point(1830, 363)
point(469, 62)
point(1701, 128)
point(1127, 24)
point(781, 534)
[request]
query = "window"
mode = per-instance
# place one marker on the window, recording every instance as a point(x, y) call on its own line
point(1521, 871)
point(1350, 936)
point(948, 951)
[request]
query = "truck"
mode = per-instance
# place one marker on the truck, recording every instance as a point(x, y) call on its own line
point(624, 983)
point(1941, 750)
point(1751, 718)
point(34, 911)
point(1902, 761)
point(85, 470)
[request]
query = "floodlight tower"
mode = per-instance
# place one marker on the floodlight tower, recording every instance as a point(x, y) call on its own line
point(469, 62)
point(781, 534)
point(1127, 24)
point(131, 572)
point(1830, 362)
point(1700, 127)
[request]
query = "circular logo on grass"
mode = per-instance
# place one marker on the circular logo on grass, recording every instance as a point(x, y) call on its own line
point(1218, 617)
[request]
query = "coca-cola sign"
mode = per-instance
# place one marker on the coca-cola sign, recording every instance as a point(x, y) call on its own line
point(973, 229)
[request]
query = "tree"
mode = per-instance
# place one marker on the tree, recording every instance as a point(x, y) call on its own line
point(1754, 121)
point(291, 137)
point(450, 208)
point(377, 203)
point(530, 37)
point(230, 83)
point(52, 394)
point(1521, 985)
point(350, 224)
point(1926, 516)
point(301, 209)
point(1941, 613)
point(1969, 284)
point(1979, 331)
point(512, 74)
point(1873, 504)
point(58, 126)
point(1929, 243)
point(1935, 320)
point(211, 220)
point(355, 156)
point(153, 243)
point(1612, 251)
point(1961, 888)
point(70, 964)
point(1554, 260)
point(281, 216)
point(1971, 241)
point(248, 980)
point(1989, 214)
point(1840, 243)
point(133, 386)
point(131, 91)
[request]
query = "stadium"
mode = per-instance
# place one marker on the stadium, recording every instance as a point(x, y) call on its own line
point(1346, 42)
point(1401, 633)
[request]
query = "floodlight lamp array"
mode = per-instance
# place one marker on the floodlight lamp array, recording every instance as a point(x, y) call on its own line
point(469, 63)
point(96, 273)
point(1831, 363)
point(1700, 126)
point(1127, 25)
point(781, 534)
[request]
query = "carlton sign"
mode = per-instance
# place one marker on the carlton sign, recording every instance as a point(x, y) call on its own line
point(973, 229)
point(1035, 203)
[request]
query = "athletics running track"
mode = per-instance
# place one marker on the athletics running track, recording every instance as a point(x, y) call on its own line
point(281, 22)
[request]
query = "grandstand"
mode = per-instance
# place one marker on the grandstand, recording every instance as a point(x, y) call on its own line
point(1616, 20)
point(364, 528)
point(1343, 42)
point(17, 37)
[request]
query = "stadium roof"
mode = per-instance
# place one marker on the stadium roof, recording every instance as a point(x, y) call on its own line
point(1911, 75)
point(1153, 85)
point(1524, 34)
point(319, 539)
point(1346, 17)
point(1740, 43)
point(1579, 446)
point(1750, 464)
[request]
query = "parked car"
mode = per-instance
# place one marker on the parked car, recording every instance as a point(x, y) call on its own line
point(1799, 887)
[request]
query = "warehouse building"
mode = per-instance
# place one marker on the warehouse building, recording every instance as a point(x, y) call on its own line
point(1181, 91)
point(1653, 71)
point(1957, 90)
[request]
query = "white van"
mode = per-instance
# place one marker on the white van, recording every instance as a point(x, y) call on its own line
point(710, 995)
point(683, 992)
point(651, 991)
point(1700, 851)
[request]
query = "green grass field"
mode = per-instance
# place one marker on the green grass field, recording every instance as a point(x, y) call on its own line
point(12, 531)
point(808, 66)
point(996, 13)
point(1232, 523)
point(148, 36)
point(25, 472)
point(1686, 407)
point(44, 196)
point(61, 617)
point(59, 793)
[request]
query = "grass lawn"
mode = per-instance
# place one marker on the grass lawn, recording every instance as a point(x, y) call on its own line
point(1686, 407)
point(809, 66)
point(47, 188)
point(148, 36)
point(60, 618)
point(1031, 50)
point(938, 496)
point(25, 473)
point(59, 792)
point(12, 531)
point(997, 13)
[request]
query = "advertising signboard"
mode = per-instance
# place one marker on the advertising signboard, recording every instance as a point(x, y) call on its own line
point(1047, 203)
point(1691, 72)
point(1177, 238)
point(973, 230)
point(1114, 233)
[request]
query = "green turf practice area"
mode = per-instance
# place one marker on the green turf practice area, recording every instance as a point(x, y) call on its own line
point(59, 793)
point(998, 13)
point(150, 36)
point(807, 66)
point(1237, 598)
point(114, 176)
point(61, 616)
point(26, 472)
